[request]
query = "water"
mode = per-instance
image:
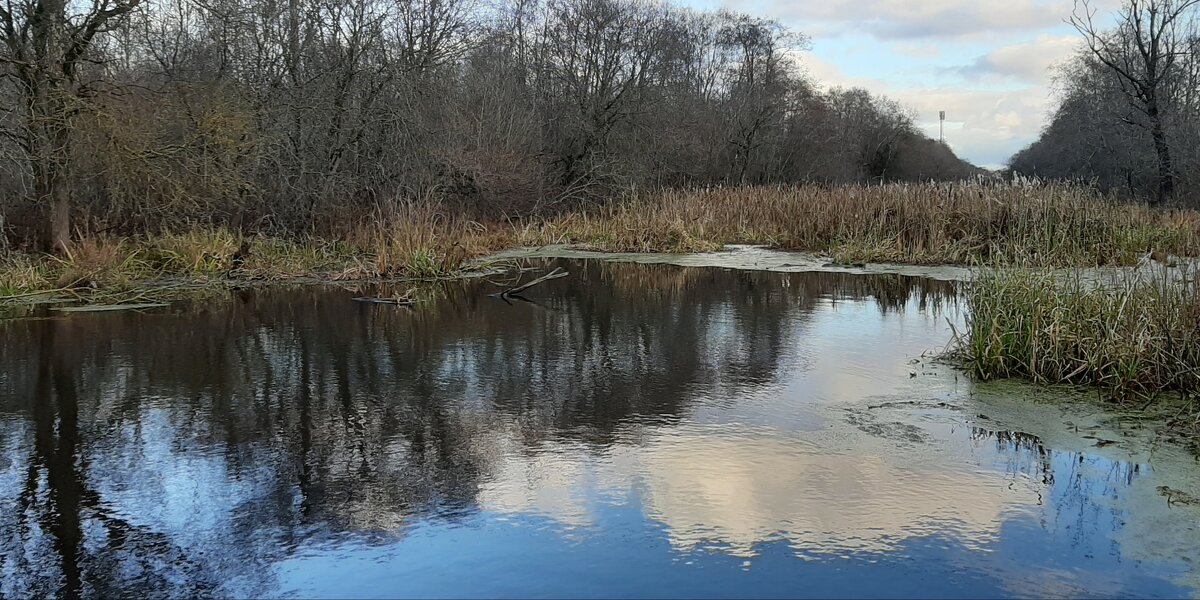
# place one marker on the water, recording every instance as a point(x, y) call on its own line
point(637, 430)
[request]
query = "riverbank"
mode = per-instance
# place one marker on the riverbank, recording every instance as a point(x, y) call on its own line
point(1136, 335)
point(409, 241)
point(927, 224)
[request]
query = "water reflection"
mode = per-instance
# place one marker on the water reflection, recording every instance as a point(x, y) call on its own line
point(210, 449)
point(735, 487)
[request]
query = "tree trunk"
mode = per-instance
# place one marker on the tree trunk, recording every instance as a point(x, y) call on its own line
point(51, 187)
point(1166, 174)
point(51, 137)
point(60, 221)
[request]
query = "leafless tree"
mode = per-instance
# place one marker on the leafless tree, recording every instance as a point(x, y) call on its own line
point(1144, 51)
point(45, 49)
point(305, 115)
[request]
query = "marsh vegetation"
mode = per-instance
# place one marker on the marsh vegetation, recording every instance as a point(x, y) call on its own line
point(1136, 335)
point(951, 223)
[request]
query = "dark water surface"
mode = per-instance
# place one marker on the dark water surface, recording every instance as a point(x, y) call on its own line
point(639, 431)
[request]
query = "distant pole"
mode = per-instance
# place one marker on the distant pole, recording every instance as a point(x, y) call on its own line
point(942, 126)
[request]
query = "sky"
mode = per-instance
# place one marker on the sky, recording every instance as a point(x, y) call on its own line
point(987, 63)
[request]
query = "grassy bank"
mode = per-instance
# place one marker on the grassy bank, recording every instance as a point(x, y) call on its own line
point(1137, 336)
point(921, 224)
point(408, 241)
point(917, 224)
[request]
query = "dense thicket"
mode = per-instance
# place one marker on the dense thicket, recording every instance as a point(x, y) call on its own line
point(129, 114)
point(1129, 111)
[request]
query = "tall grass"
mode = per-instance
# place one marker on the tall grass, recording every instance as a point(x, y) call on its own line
point(200, 251)
point(101, 261)
point(21, 273)
point(908, 223)
point(1054, 225)
point(421, 240)
point(1136, 336)
point(405, 240)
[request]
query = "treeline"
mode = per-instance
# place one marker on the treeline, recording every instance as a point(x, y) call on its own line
point(1129, 115)
point(300, 115)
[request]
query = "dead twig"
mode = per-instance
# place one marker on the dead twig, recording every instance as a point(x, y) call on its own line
point(513, 292)
point(396, 301)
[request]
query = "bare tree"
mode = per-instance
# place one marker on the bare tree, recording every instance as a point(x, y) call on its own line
point(304, 114)
point(1143, 51)
point(761, 87)
point(45, 44)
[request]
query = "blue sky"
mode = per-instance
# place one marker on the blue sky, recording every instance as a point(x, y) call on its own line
point(987, 63)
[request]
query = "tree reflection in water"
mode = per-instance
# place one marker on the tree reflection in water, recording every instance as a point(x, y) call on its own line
point(183, 453)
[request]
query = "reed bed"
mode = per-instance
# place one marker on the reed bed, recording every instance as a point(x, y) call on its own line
point(1052, 225)
point(410, 241)
point(1047, 225)
point(22, 273)
point(1137, 335)
point(420, 240)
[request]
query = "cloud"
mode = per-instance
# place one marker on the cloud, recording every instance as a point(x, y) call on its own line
point(986, 62)
point(906, 19)
point(1028, 61)
point(985, 126)
point(918, 50)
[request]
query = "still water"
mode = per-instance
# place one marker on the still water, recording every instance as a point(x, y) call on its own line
point(636, 430)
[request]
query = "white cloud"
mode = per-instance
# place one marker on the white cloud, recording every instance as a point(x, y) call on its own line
point(1027, 61)
point(908, 19)
point(984, 126)
point(918, 50)
point(986, 62)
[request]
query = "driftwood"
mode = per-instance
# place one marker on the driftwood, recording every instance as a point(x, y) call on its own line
point(511, 293)
point(110, 307)
point(516, 292)
point(405, 299)
point(396, 301)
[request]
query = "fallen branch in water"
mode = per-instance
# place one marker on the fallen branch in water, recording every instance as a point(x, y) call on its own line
point(37, 293)
point(405, 299)
point(110, 307)
point(555, 274)
point(396, 301)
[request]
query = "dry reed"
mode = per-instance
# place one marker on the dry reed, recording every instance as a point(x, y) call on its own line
point(909, 223)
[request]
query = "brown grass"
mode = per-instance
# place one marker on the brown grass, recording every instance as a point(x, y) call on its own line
point(421, 240)
point(407, 240)
point(925, 224)
point(101, 261)
point(907, 223)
